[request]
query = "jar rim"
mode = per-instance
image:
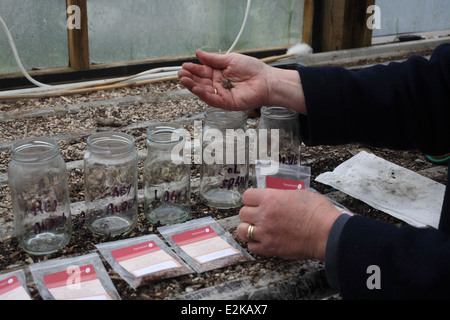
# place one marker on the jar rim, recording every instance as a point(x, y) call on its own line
point(35, 150)
point(163, 133)
point(110, 143)
point(278, 112)
point(225, 117)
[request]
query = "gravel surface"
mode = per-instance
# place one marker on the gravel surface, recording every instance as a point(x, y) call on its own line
point(70, 120)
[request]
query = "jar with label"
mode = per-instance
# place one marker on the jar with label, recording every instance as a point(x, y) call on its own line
point(289, 141)
point(110, 174)
point(225, 158)
point(40, 196)
point(167, 174)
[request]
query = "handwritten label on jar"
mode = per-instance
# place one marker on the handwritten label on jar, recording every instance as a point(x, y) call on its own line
point(204, 245)
point(291, 159)
point(115, 192)
point(46, 207)
point(233, 177)
point(174, 196)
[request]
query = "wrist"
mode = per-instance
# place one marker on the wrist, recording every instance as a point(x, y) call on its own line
point(286, 90)
point(327, 222)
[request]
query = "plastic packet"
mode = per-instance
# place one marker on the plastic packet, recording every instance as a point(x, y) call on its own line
point(79, 278)
point(204, 244)
point(337, 205)
point(286, 177)
point(13, 286)
point(143, 259)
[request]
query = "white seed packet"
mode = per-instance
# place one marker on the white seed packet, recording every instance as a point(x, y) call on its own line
point(282, 176)
point(13, 286)
point(79, 278)
point(142, 260)
point(204, 244)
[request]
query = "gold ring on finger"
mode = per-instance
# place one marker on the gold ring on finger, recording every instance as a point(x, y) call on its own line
point(250, 236)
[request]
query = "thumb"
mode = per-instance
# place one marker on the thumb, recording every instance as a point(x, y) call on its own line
point(214, 60)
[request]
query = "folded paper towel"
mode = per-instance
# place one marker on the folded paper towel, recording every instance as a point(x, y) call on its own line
point(397, 191)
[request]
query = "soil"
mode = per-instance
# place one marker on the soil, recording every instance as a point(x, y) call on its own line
point(71, 119)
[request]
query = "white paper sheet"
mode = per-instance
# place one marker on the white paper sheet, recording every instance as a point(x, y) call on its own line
point(397, 191)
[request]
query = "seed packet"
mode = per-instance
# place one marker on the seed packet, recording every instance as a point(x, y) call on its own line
point(142, 260)
point(204, 244)
point(13, 286)
point(79, 278)
point(282, 176)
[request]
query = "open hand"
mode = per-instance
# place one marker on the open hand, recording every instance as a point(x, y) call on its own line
point(228, 81)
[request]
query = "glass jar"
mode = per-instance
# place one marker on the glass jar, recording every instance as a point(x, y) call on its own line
point(110, 174)
point(167, 189)
point(225, 158)
point(286, 121)
point(40, 196)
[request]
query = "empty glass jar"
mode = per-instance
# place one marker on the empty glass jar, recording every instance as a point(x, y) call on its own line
point(167, 176)
point(110, 169)
point(40, 196)
point(225, 164)
point(286, 121)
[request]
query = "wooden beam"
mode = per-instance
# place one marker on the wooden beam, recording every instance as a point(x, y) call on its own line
point(341, 24)
point(308, 18)
point(78, 35)
point(356, 34)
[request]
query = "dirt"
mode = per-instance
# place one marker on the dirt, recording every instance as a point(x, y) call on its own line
point(106, 110)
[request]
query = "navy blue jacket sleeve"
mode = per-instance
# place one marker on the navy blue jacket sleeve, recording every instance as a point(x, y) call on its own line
point(400, 106)
point(413, 263)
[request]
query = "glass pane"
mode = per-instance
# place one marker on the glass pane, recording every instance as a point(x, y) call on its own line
point(409, 16)
point(39, 31)
point(145, 29)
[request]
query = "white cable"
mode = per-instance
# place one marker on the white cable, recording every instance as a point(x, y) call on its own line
point(247, 11)
point(155, 72)
point(16, 56)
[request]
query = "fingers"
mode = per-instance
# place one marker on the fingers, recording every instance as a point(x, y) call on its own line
point(198, 70)
point(247, 232)
point(253, 197)
point(214, 60)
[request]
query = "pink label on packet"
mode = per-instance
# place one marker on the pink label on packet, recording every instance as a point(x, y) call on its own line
point(135, 251)
point(9, 284)
point(196, 235)
point(284, 184)
point(63, 278)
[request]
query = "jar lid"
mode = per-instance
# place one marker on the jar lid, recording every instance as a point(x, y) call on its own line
point(35, 150)
point(110, 143)
point(278, 112)
point(165, 133)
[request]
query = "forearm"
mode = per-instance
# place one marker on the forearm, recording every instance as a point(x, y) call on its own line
point(286, 90)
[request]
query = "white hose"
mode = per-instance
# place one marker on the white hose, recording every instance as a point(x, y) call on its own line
point(244, 23)
point(16, 56)
point(154, 73)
